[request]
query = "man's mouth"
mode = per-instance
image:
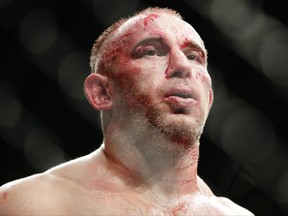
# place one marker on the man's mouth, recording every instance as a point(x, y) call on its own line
point(180, 96)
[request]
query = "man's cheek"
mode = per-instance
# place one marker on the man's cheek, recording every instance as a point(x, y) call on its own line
point(203, 77)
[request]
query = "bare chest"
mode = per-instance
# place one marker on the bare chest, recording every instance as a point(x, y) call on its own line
point(130, 204)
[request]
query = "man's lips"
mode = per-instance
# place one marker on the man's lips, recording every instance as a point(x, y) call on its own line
point(180, 96)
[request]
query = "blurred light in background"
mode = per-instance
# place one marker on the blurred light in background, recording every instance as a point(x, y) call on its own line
point(258, 38)
point(21, 130)
point(10, 108)
point(273, 54)
point(42, 148)
point(281, 192)
point(71, 74)
point(3, 3)
point(108, 15)
point(38, 31)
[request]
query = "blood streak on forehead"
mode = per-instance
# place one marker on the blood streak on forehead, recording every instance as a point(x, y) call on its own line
point(114, 45)
point(149, 18)
point(134, 25)
point(112, 48)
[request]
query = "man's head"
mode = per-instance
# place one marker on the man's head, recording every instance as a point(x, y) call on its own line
point(151, 69)
point(104, 40)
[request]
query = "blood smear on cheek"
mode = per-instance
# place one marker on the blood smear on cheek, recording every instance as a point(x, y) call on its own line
point(203, 78)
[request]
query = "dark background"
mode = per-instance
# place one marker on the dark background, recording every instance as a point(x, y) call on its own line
point(45, 118)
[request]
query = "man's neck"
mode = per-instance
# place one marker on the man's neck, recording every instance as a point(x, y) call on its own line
point(158, 168)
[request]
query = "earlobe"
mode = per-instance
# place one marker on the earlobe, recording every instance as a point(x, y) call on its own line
point(97, 91)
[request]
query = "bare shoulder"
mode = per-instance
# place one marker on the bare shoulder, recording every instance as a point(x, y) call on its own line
point(38, 193)
point(22, 196)
point(65, 189)
point(222, 203)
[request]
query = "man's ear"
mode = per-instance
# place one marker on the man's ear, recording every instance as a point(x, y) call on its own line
point(97, 91)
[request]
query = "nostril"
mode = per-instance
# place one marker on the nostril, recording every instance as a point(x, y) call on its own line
point(178, 65)
point(176, 74)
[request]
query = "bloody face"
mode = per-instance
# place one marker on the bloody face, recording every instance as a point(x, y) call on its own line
point(159, 76)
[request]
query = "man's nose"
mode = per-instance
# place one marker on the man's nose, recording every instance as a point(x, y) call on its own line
point(178, 65)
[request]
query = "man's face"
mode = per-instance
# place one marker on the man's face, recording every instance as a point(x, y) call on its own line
point(159, 76)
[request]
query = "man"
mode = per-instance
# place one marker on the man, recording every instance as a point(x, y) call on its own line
point(149, 79)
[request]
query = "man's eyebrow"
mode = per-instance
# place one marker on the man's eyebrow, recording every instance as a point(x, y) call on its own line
point(149, 40)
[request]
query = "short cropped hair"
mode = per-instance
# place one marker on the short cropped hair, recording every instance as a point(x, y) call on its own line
point(96, 56)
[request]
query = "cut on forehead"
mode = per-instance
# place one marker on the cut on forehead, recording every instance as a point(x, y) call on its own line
point(95, 57)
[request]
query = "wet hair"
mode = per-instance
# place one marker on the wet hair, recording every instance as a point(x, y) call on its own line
point(96, 56)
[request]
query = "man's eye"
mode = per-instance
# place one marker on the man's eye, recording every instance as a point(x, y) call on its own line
point(142, 51)
point(150, 52)
point(191, 56)
point(194, 57)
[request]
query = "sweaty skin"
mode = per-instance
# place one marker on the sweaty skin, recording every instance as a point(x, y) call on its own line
point(155, 100)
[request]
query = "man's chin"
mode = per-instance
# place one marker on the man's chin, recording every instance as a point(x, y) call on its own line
point(183, 121)
point(182, 130)
point(180, 127)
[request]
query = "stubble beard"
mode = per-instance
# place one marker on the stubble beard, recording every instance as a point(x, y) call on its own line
point(182, 130)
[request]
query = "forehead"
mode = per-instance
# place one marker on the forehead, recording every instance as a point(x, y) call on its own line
point(162, 25)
